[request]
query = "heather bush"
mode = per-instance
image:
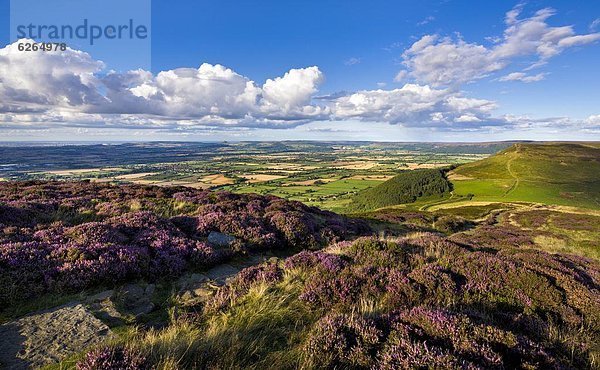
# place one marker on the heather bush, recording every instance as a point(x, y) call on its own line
point(442, 305)
point(436, 305)
point(436, 284)
point(109, 358)
point(345, 288)
point(65, 237)
point(434, 338)
point(451, 224)
point(342, 341)
point(412, 220)
point(480, 299)
point(306, 260)
point(495, 236)
point(374, 252)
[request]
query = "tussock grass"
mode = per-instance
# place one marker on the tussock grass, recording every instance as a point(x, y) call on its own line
point(264, 329)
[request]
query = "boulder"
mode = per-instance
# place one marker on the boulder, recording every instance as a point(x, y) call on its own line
point(220, 240)
point(135, 299)
point(103, 307)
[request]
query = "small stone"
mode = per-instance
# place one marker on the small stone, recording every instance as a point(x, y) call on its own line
point(101, 296)
point(135, 299)
point(220, 240)
point(221, 273)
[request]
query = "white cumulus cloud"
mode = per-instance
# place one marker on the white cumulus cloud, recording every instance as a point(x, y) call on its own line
point(49, 90)
point(414, 105)
point(29, 81)
point(56, 85)
point(449, 61)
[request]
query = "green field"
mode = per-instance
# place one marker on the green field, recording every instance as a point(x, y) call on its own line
point(545, 195)
point(556, 174)
point(327, 175)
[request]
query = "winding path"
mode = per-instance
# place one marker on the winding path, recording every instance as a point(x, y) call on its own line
point(511, 172)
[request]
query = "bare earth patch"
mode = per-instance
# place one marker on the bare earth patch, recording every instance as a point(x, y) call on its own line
point(254, 178)
point(416, 166)
point(356, 165)
point(82, 171)
point(48, 336)
point(217, 179)
point(469, 203)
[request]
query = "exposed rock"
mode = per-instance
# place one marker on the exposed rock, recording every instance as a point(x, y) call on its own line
point(107, 294)
point(196, 288)
point(48, 336)
point(220, 273)
point(103, 307)
point(220, 240)
point(193, 289)
point(191, 282)
point(135, 299)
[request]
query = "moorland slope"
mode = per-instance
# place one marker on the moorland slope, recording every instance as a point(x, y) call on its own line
point(549, 173)
point(564, 174)
point(484, 294)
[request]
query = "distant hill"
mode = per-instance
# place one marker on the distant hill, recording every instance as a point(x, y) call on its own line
point(550, 173)
point(406, 187)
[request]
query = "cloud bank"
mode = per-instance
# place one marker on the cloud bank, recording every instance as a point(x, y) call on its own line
point(45, 90)
point(68, 87)
point(446, 61)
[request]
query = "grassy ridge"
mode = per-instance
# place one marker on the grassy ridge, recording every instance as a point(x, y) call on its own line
point(404, 188)
point(558, 173)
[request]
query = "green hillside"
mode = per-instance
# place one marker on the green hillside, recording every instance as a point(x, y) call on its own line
point(406, 187)
point(555, 173)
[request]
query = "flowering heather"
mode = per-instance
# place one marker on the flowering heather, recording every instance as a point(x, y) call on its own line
point(412, 220)
point(342, 341)
point(438, 304)
point(436, 283)
point(401, 291)
point(60, 236)
point(373, 252)
point(306, 260)
point(481, 299)
point(108, 358)
point(495, 236)
point(344, 289)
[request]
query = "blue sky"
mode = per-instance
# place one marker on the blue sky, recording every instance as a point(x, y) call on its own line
point(500, 87)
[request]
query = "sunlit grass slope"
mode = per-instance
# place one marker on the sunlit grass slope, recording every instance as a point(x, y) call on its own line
point(554, 173)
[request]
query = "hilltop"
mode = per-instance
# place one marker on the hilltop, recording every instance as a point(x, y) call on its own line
point(549, 173)
point(565, 174)
point(546, 194)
